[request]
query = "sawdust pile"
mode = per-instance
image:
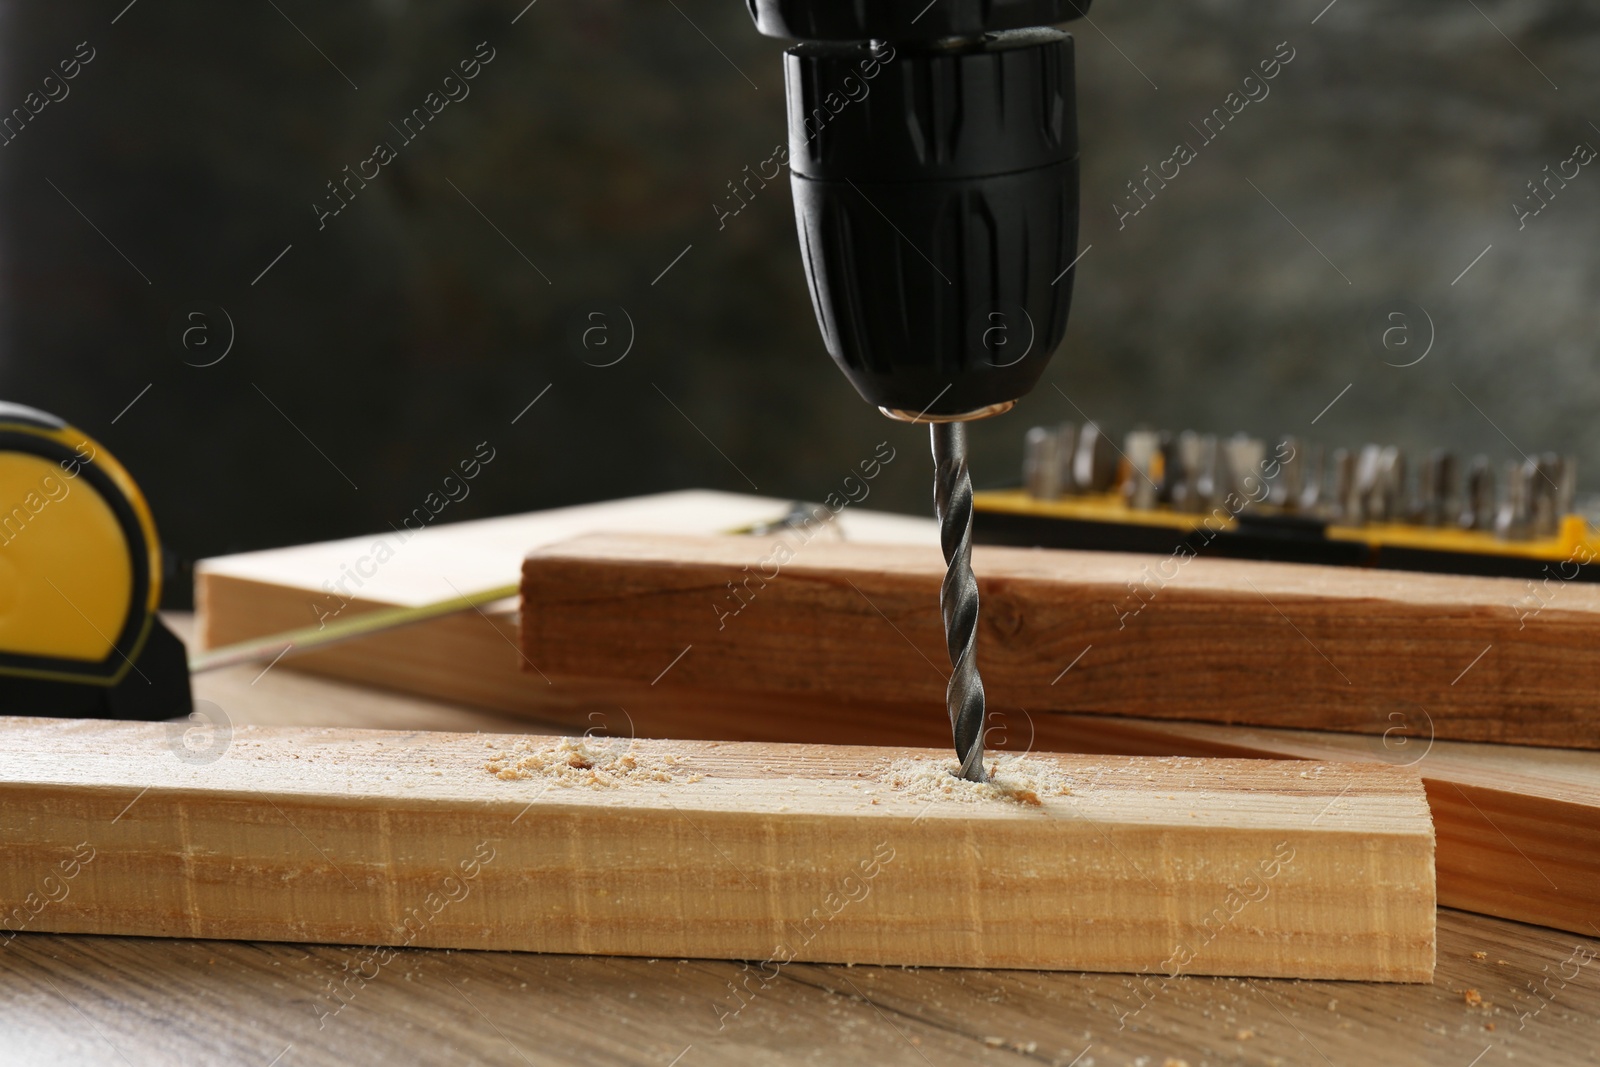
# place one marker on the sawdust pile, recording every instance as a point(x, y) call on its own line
point(592, 762)
point(1013, 778)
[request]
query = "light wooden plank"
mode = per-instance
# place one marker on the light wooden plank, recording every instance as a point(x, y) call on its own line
point(719, 850)
point(471, 657)
point(1518, 828)
point(420, 566)
point(1222, 640)
point(75, 1000)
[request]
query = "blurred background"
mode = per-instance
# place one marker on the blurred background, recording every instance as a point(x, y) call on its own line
point(175, 200)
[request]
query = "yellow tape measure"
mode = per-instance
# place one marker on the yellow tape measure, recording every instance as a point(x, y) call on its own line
point(80, 581)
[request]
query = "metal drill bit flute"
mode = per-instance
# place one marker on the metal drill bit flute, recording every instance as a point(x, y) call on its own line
point(958, 596)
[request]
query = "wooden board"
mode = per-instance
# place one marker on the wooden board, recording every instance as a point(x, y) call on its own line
point(1518, 828)
point(1222, 640)
point(1500, 989)
point(742, 851)
point(470, 657)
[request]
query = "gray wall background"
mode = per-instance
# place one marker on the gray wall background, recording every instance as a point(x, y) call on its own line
point(1248, 294)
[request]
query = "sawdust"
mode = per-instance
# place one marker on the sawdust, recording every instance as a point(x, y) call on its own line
point(591, 762)
point(1014, 778)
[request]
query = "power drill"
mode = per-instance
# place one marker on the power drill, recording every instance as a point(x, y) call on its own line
point(933, 155)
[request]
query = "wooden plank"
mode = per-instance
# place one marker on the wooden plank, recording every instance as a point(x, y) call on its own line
point(73, 1000)
point(1518, 828)
point(1222, 640)
point(471, 657)
point(761, 852)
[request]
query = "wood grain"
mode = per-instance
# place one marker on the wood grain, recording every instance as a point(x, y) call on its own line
point(1223, 640)
point(74, 999)
point(742, 851)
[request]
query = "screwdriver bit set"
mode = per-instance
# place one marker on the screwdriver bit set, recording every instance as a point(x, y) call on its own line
point(1291, 500)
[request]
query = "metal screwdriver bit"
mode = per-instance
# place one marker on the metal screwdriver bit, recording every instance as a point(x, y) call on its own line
point(1449, 481)
point(1347, 487)
point(958, 596)
point(1171, 470)
point(1083, 459)
point(1567, 487)
point(1095, 465)
point(1066, 449)
point(1040, 467)
point(1190, 457)
point(1289, 485)
point(1243, 457)
point(1388, 492)
point(1542, 495)
point(1366, 483)
point(1312, 500)
point(1140, 489)
point(1437, 482)
point(1208, 473)
point(1478, 509)
point(1512, 523)
point(1426, 498)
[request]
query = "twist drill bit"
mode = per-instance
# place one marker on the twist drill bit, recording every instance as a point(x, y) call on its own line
point(958, 596)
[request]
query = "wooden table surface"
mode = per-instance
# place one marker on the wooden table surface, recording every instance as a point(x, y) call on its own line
point(1503, 991)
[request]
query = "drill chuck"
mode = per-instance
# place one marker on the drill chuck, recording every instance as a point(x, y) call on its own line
point(934, 165)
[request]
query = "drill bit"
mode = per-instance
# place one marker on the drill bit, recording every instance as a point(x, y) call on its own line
point(958, 596)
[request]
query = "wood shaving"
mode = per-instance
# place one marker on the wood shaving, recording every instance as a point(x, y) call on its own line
point(1014, 778)
point(592, 762)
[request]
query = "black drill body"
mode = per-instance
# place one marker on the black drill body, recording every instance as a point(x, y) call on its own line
point(934, 163)
point(933, 153)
